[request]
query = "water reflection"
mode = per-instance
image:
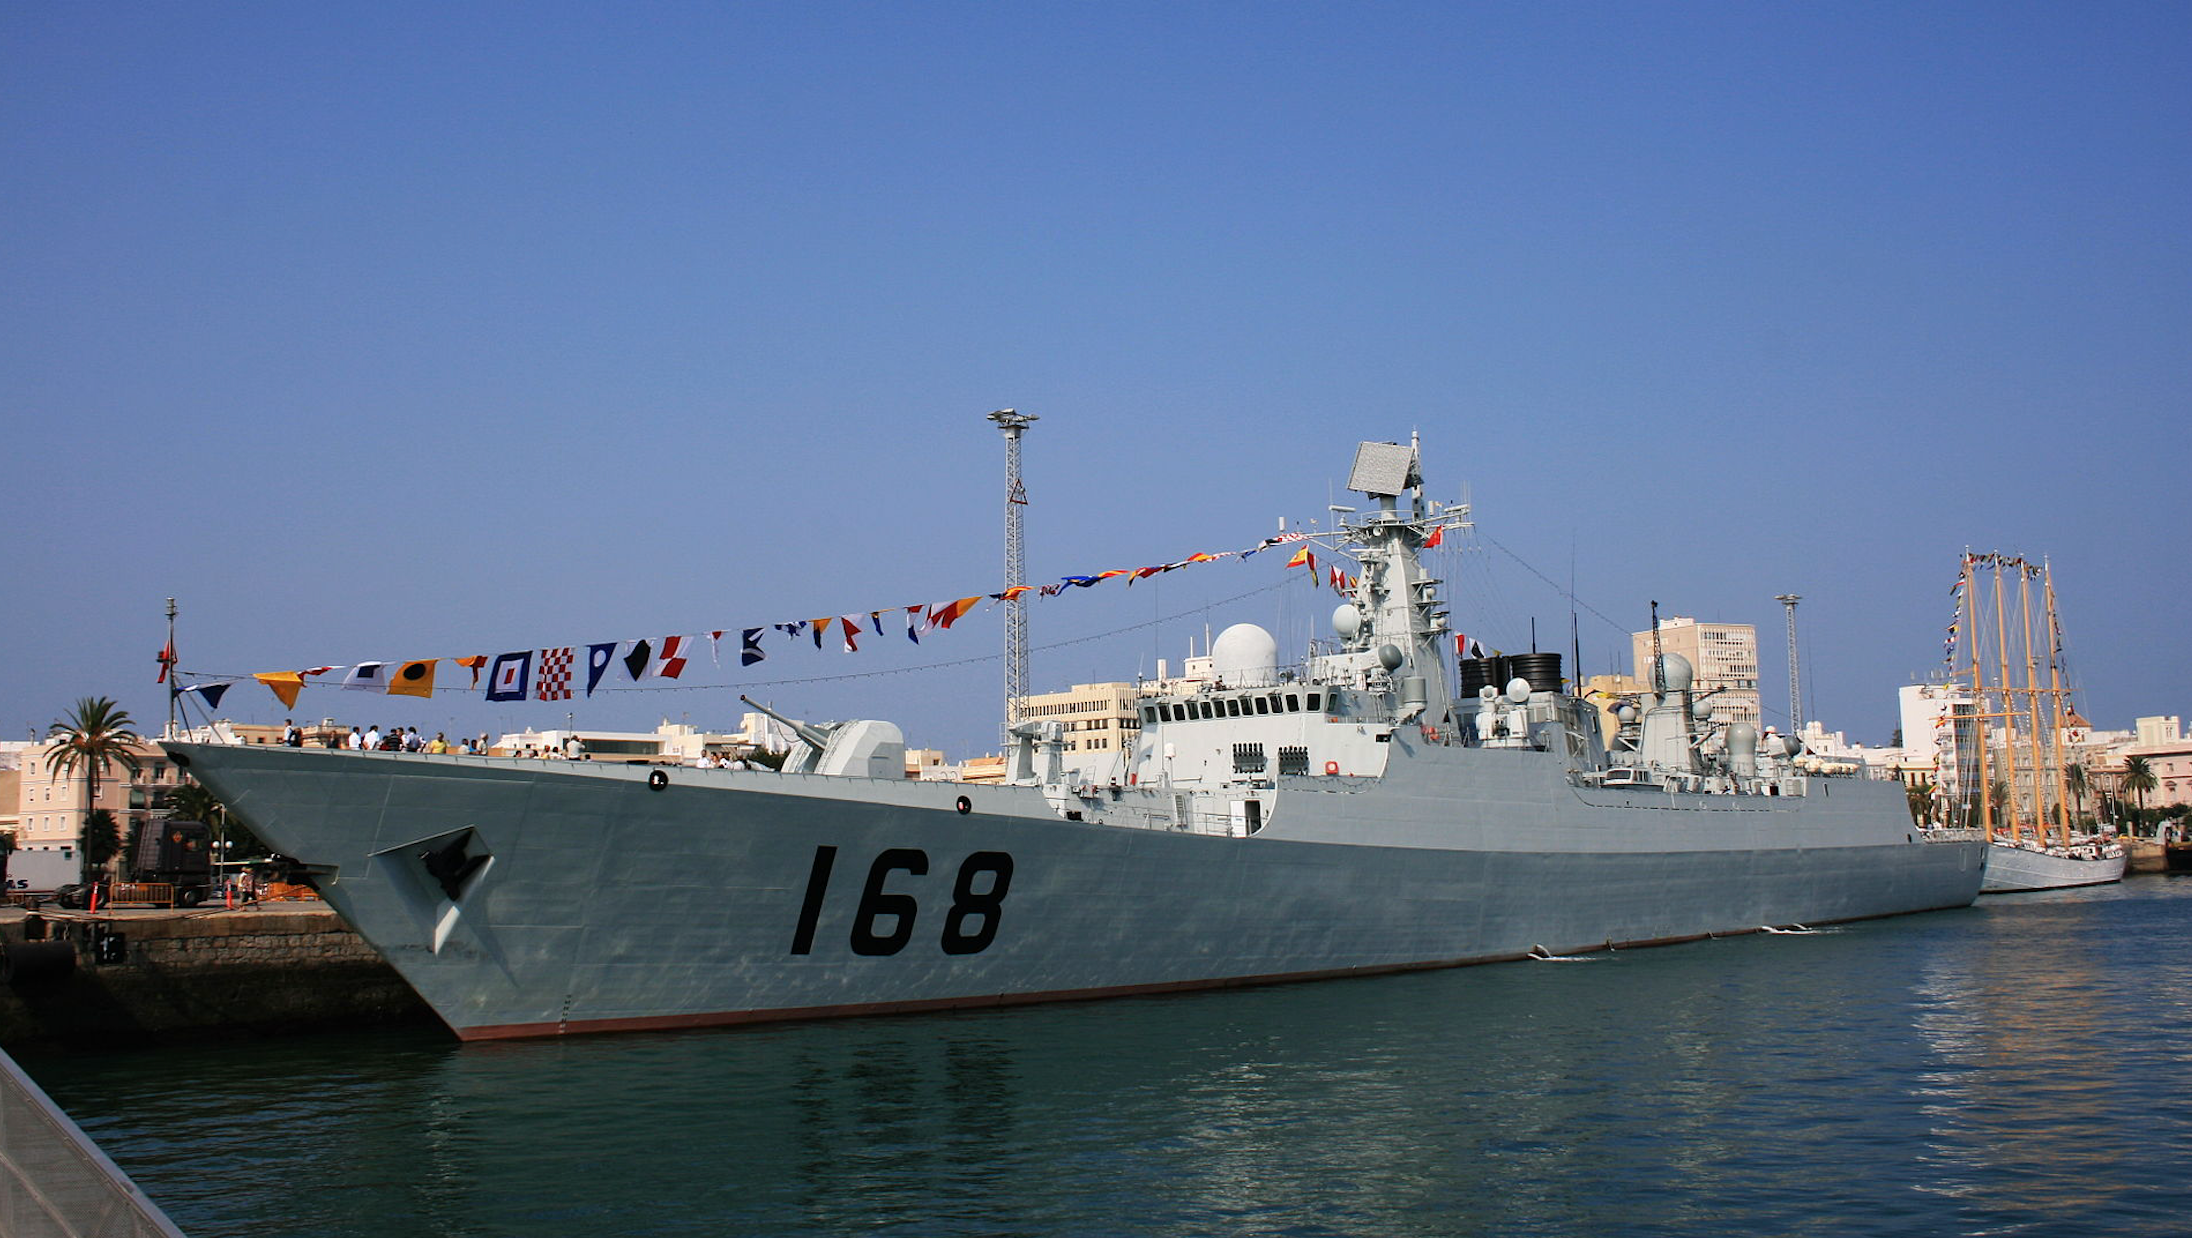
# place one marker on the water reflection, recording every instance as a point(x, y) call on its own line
point(2051, 1026)
point(2003, 1068)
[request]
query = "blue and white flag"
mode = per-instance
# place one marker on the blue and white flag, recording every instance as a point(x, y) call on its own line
point(367, 677)
point(210, 691)
point(509, 676)
point(598, 658)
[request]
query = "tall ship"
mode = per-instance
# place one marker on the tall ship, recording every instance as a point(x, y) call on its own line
point(2010, 748)
point(1370, 810)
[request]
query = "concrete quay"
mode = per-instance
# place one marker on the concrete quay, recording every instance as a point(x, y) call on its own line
point(135, 976)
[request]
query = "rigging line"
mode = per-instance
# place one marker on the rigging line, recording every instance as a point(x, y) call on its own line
point(1553, 585)
point(744, 684)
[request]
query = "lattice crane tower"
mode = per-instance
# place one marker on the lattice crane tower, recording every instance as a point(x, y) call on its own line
point(1796, 690)
point(1012, 423)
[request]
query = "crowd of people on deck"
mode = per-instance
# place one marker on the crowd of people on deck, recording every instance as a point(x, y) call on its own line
point(411, 739)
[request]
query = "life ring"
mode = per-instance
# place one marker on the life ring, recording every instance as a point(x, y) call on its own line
point(1430, 735)
point(656, 779)
point(1331, 767)
point(964, 805)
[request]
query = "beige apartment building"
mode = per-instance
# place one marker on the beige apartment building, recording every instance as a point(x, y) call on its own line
point(1605, 692)
point(1100, 719)
point(51, 806)
point(1725, 657)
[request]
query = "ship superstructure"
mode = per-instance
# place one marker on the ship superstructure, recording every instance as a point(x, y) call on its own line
point(1361, 812)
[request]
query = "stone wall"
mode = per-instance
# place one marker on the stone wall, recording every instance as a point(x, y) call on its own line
point(190, 973)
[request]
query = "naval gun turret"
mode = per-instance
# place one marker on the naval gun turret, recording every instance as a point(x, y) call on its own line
point(863, 748)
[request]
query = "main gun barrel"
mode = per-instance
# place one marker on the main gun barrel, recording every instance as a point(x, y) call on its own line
point(813, 736)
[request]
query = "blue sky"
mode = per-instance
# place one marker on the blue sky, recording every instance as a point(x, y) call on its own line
point(409, 330)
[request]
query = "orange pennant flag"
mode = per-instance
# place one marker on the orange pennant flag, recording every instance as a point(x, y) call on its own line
point(951, 612)
point(285, 685)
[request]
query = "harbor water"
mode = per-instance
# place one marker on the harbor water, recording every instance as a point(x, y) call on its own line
point(2019, 1067)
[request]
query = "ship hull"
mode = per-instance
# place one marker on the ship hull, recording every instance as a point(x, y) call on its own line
point(2016, 870)
point(524, 898)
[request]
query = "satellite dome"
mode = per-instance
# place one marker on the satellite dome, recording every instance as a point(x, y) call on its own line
point(1245, 655)
point(1675, 672)
point(1346, 620)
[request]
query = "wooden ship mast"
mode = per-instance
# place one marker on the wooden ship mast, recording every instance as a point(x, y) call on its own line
point(2020, 791)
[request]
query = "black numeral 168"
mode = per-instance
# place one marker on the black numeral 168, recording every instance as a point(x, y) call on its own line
point(969, 926)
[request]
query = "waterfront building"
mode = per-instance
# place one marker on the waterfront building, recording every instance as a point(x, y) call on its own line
point(1724, 657)
point(1605, 692)
point(1101, 720)
point(2168, 755)
point(51, 805)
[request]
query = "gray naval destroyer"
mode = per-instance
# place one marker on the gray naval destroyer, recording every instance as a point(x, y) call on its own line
point(1350, 816)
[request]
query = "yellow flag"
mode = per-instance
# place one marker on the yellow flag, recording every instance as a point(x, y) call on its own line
point(413, 679)
point(285, 684)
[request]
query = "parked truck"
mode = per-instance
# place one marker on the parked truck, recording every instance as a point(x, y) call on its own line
point(43, 871)
point(175, 854)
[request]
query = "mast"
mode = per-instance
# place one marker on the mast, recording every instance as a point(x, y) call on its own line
point(172, 685)
point(2009, 735)
point(1985, 787)
point(2040, 814)
point(1013, 422)
point(2055, 694)
point(1796, 683)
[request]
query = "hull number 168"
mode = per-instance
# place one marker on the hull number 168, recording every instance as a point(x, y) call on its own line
point(883, 922)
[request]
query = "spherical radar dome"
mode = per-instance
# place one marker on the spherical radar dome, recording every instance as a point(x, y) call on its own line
point(1245, 654)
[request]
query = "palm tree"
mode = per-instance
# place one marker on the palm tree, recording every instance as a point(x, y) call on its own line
point(102, 839)
point(2138, 778)
point(2076, 782)
point(94, 735)
point(1918, 797)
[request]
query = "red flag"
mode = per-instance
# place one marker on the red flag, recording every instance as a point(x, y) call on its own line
point(670, 659)
point(1437, 535)
point(166, 659)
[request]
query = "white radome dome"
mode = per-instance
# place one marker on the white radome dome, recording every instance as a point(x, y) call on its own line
point(1245, 655)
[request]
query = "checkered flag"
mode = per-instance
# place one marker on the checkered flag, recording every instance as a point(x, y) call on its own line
point(554, 680)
